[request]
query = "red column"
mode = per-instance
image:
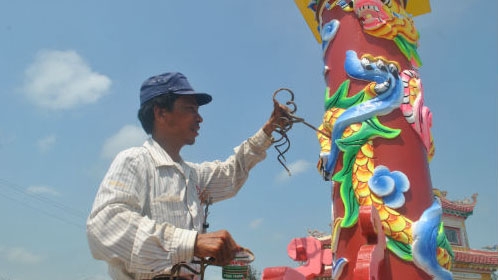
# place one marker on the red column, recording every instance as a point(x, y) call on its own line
point(405, 153)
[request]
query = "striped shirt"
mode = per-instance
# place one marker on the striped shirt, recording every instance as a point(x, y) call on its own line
point(149, 209)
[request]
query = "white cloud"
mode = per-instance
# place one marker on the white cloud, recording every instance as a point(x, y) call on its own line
point(35, 190)
point(295, 168)
point(128, 136)
point(255, 224)
point(20, 255)
point(46, 143)
point(63, 80)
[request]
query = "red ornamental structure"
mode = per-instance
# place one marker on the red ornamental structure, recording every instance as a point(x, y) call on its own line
point(375, 148)
point(468, 263)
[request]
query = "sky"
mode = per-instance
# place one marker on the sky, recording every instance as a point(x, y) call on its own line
point(70, 73)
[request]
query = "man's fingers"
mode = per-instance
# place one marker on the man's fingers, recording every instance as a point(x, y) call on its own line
point(218, 245)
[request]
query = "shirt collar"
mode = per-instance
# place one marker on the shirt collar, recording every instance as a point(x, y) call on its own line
point(159, 155)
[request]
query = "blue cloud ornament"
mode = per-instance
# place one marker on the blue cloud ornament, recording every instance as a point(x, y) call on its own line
point(390, 186)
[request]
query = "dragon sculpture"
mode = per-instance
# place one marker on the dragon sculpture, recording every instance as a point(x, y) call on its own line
point(376, 145)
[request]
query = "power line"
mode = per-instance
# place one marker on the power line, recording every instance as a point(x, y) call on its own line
point(42, 204)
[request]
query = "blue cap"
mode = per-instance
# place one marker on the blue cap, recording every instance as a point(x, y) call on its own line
point(170, 83)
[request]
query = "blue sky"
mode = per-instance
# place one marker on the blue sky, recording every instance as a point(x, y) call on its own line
point(69, 78)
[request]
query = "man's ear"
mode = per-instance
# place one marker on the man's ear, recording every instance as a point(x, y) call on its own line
point(159, 113)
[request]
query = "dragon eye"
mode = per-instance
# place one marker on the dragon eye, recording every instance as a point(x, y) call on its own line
point(387, 3)
point(346, 5)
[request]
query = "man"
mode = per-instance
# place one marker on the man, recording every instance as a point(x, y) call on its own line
point(147, 217)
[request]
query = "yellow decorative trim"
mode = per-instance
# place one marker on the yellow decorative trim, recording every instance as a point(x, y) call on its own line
point(418, 7)
point(309, 17)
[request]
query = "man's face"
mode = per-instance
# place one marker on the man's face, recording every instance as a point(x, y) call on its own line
point(183, 121)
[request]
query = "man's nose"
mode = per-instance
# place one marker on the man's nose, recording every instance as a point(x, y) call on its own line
point(199, 117)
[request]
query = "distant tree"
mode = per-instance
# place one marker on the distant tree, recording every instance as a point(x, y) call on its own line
point(254, 274)
point(494, 275)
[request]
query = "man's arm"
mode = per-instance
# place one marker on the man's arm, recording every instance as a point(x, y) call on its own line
point(220, 245)
point(119, 233)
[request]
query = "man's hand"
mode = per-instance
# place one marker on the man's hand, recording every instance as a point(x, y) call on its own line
point(279, 118)
point(218, 245)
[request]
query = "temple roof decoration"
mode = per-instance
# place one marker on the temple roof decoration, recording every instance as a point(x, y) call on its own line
point(477, 259)
point(459, 208)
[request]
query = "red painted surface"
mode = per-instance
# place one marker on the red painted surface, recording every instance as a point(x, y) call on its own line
point(363, 244)
point(371, 255)
point(405, 153)
point(308, 250)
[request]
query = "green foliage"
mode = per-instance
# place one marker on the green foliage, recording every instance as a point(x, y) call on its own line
point(254, 274)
